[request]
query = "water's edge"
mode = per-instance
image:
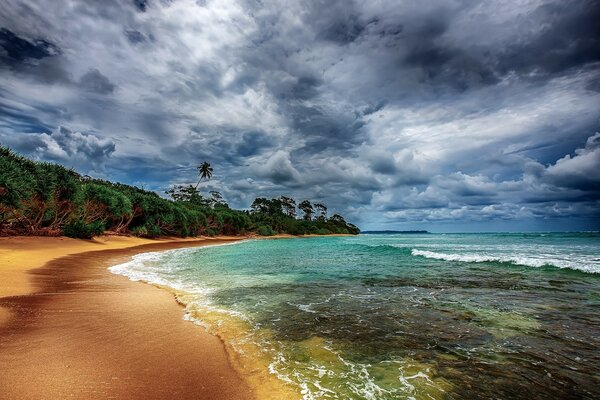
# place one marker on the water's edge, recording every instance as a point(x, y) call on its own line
point(249, 362)
point(392, 316)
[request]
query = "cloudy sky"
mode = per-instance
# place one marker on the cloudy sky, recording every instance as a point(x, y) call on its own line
point(440, 115)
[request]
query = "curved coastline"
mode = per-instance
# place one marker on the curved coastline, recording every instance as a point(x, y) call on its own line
point(70, 328)
point(246, 358)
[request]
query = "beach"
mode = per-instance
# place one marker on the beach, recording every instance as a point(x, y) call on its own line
point(396, 316)
point(71, 329)
point(387, 316)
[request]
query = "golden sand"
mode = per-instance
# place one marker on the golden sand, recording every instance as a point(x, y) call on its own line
point(21, 254)
point(71, 329)
point(74, 330)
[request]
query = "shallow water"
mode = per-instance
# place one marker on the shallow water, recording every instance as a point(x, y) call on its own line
point(402, 316)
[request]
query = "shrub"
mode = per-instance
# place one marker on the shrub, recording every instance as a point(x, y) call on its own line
point(264, 230)
point(79, 229)
point(48, 199)
point(148, 230)
point(323, 231)
point(140, 231)
point(151, 230)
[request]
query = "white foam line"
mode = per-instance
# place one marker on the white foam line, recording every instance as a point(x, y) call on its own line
point(136, 270)
point(518, 260)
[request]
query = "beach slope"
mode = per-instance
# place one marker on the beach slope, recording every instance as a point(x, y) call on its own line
point(70, 329)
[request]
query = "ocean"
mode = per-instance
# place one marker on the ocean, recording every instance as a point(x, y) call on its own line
point(399, 316)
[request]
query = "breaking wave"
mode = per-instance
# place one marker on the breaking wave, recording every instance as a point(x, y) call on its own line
point(584, 264)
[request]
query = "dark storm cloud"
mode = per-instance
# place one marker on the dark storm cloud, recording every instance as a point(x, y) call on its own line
point(323, 130)
point(37, 58)
point(17, 117)
point(18, 49)
point(94, 81)
point(439, 62)
point(253, 143)
point(305, 88)
point(279, 170)
point(134, 36)
point(141, 5)
point(334, 21)
point(12, 119)
point(343, 31)
point(569, 38)
point(223, 146)
point(389, 112)
point(384, 165)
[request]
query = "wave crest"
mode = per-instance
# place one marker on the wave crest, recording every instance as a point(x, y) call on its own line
point(579, 265)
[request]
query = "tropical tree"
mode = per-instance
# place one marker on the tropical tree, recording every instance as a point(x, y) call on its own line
point(289, 206)
point(186, 193)
point(322, 210)
point(307, 209)
point(204, 172)
point(337, 219)
point(48, 199)
point(216, 200)
point(260, 205)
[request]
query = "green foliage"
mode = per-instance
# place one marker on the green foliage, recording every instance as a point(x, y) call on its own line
point(187, 193)
point(140, 231)
point(148, 230)
point(289, 206)
point(276, 214)
point(307, 209)
point(38, 198)
point(81, 230)
point(35, 198)
point(265, 230)
point(204, 172)
point(99, 202)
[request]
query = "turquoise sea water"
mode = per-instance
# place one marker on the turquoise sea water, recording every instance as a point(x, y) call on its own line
point(457, 316)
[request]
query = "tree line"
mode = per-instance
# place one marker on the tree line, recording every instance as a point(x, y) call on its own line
point(40, 198)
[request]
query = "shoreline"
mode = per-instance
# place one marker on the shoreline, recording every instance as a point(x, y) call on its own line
point(21, 254)
point(39, 275)
point(74, 329)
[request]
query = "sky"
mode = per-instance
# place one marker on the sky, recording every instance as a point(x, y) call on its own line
point(438, 115)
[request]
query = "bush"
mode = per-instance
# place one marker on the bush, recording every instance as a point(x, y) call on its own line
point(140, 231)
point(152, 230)
point(264, 230)
point(48, 199)
point(81, 230)
point(323, 231)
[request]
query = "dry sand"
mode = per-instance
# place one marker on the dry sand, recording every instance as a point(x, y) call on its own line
point(73, 330)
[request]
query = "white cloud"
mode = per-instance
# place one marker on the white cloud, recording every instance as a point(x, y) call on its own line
point(72, 148)
point(278, 169)
point(377, 108)
point(581, 170)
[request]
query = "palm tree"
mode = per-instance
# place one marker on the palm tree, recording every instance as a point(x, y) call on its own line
point(204, 172)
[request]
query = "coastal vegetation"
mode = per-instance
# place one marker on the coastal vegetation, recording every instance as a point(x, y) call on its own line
point(40, 198)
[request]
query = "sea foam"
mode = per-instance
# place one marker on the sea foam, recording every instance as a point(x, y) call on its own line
point(583, 264)
point(146, 267)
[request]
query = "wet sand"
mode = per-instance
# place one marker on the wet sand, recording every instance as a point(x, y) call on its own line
point(83, 333)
